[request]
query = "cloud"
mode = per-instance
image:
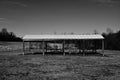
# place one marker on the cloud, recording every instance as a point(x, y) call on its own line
point(115, 1)
point(2, 21)
point(14, 3)
point(108, 2)
point(2, 18)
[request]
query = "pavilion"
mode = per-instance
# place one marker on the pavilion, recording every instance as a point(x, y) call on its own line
point(63, 43)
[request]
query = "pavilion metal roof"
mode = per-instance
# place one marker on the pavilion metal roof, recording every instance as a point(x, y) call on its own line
point(54, 37)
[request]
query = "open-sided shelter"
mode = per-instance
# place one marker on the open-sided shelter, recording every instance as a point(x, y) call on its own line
point(63, 43)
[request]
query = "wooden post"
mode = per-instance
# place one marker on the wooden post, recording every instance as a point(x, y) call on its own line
point(69, 47)
point(63, 47)
point(95, 45)
point(103, 47)
point(23, 47)
point(55, 46)
point(79, 45)
point(46, 46)
point(83, 47)
point(29, 46)
point(43, 46)
point(36, 47)
point(75, 45)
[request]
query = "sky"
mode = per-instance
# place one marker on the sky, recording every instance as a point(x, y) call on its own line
point(59, 16)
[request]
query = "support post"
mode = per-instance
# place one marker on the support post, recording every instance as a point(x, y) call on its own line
point(37, 46)
point(46, 46)
point(79, 46)
point(43, 46)
point(75, 46)
point(83, 47)
point(103, 47)
point(29, 46)
point(69, 46)
point(55, 46)
point(23, 47)
point(95, 46)
point(63, 47)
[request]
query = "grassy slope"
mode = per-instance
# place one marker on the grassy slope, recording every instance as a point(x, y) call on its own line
point(59, 67)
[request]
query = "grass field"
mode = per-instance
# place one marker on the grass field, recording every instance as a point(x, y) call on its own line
point(14, 66)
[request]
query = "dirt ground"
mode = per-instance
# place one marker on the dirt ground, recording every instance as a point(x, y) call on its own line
point(59, 67)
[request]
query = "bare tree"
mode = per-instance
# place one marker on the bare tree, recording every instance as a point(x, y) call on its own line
point(109, 30)
point(72, 33)
point(95, 32)
point(4, 30)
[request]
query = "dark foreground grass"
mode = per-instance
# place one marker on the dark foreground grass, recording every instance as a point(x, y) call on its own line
point(59, 67)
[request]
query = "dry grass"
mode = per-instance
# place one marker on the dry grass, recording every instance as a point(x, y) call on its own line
point(59, 67)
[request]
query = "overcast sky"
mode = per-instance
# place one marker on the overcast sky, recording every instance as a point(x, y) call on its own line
point(48, 16)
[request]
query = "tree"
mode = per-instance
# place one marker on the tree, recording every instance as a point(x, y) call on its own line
point(112, 40)
point(4, 30)
point(109, 31)
point(8, 36)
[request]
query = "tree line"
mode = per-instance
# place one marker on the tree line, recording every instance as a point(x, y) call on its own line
point(112, 39)
point(8, 36)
